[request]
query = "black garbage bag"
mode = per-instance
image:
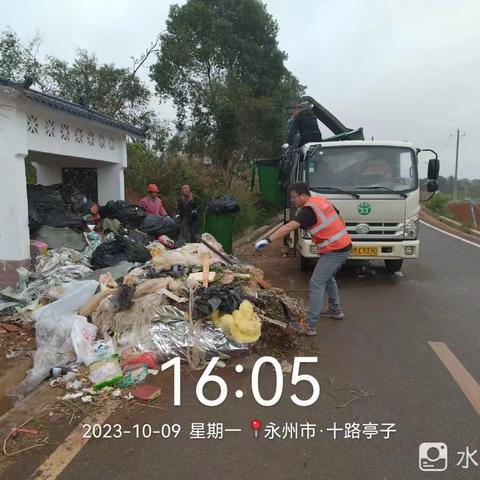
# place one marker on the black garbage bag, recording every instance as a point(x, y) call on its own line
point(46, 206)
point(109, 254)
point(127, 213)
point(223, 204)
point(222, 298)
point(156, 226)
point(139, 237)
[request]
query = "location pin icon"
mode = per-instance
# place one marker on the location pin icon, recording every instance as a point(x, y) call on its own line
point(256, 425)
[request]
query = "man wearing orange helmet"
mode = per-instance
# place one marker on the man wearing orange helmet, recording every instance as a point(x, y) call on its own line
point(151, 203)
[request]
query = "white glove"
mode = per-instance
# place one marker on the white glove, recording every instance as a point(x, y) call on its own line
point(285, 146)
point(261, 244)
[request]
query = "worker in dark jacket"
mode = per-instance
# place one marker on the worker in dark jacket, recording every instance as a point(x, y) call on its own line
point(305, 123)
point(187, 213)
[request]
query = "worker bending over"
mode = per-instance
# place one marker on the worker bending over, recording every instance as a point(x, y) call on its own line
point(322, 221)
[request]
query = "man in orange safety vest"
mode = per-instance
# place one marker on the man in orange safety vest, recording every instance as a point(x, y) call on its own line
point(327, 230)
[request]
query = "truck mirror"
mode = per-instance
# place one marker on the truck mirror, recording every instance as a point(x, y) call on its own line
point(433, 169)
point(432, 186)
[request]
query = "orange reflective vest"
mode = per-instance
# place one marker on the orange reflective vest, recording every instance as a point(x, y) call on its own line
point(329, 232)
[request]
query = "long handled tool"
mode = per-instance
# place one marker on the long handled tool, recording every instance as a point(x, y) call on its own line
point(215, 251)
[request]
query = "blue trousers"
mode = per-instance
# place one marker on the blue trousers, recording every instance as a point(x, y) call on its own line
point(323, 280)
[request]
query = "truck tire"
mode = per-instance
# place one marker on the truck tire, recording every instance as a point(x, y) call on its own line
point(393, 266)
point(305, 263)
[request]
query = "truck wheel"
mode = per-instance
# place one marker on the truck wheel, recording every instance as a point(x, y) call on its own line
point(305, 263)
point(393, 266)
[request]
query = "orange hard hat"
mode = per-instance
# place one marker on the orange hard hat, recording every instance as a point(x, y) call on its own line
point(152, 188)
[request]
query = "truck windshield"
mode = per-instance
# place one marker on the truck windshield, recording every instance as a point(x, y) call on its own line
point(362, 168)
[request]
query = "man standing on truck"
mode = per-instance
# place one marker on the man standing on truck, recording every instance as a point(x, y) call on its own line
point(327, 230)
point(305, 123)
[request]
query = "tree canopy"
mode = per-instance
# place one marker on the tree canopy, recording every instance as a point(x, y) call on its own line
point(220, 63)
point(105, 88)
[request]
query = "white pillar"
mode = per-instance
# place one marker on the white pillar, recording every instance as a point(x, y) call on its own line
point(14, 234)
point(110, 183)
point(48, 174)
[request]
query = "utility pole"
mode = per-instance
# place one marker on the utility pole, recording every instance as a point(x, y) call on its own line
point(455, 179)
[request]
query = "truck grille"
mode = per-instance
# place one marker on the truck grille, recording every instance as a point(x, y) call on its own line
point(377, 231)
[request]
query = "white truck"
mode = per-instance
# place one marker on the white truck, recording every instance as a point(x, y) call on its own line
point(374, 185)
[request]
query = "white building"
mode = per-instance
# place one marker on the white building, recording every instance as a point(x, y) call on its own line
point(53, 134)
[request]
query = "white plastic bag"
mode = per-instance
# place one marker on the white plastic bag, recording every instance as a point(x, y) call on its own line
point(76, 293)
point(53, 331)
point(83, 339)
point(54, 349)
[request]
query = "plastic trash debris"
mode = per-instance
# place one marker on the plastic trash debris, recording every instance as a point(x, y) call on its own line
point(87, 399)
point(59, 237)
point(124, 296)
point(42, 247)
point(246, 327)
point(109, 254)
point(52, 270)
point(71, 396)
point(75, 385)
point(93, 240)
point(105, 372)
point(53, 328)
point(195, 279)
point(158, 226)
point(133, 374)
point(83, 336)
point(147, 392)
point(173, 338)
point(75, 295)
point(46, 206)
point(286, 366)
point(127, 213)
point(167, 242)
point(59, 371)
point(117, 393)
point(217, 297)
point(146, 357)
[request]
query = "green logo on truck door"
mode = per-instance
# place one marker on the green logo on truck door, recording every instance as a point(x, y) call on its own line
point(364, 208)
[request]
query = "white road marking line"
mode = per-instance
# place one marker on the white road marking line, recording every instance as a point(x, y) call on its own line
point(464, 240)
point(460, 374)
point(54, 465)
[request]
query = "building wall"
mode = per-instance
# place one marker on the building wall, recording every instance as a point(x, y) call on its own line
point(60, 140)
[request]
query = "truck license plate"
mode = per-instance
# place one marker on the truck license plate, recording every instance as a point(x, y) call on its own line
point(359, 251)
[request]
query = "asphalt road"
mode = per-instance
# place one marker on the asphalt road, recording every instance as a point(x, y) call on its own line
point(380, 348)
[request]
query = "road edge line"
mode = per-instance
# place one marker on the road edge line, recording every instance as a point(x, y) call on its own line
point(469, 242)
point(61, 457)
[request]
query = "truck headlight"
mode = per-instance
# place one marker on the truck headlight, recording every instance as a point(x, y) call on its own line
point(411, 228)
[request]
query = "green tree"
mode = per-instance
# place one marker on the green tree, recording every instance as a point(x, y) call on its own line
point(220, 63)
point(17, 59)
point(105, 88)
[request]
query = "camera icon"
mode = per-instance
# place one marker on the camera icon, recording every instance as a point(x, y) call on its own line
point(433, 457)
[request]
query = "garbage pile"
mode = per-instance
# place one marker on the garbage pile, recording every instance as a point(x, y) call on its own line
point(62, 217)
point(112, 327)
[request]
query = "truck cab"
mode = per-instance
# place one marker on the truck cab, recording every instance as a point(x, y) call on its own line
point(375, 187)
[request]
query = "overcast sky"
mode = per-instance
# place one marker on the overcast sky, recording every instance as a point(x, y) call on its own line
point(402, 69)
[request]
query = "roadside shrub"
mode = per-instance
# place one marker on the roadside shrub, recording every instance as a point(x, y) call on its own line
point(438, 204)
point(206, 181)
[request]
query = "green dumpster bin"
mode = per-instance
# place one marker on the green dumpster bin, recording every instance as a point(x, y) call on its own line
point(220, 225)
point(269, 179)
